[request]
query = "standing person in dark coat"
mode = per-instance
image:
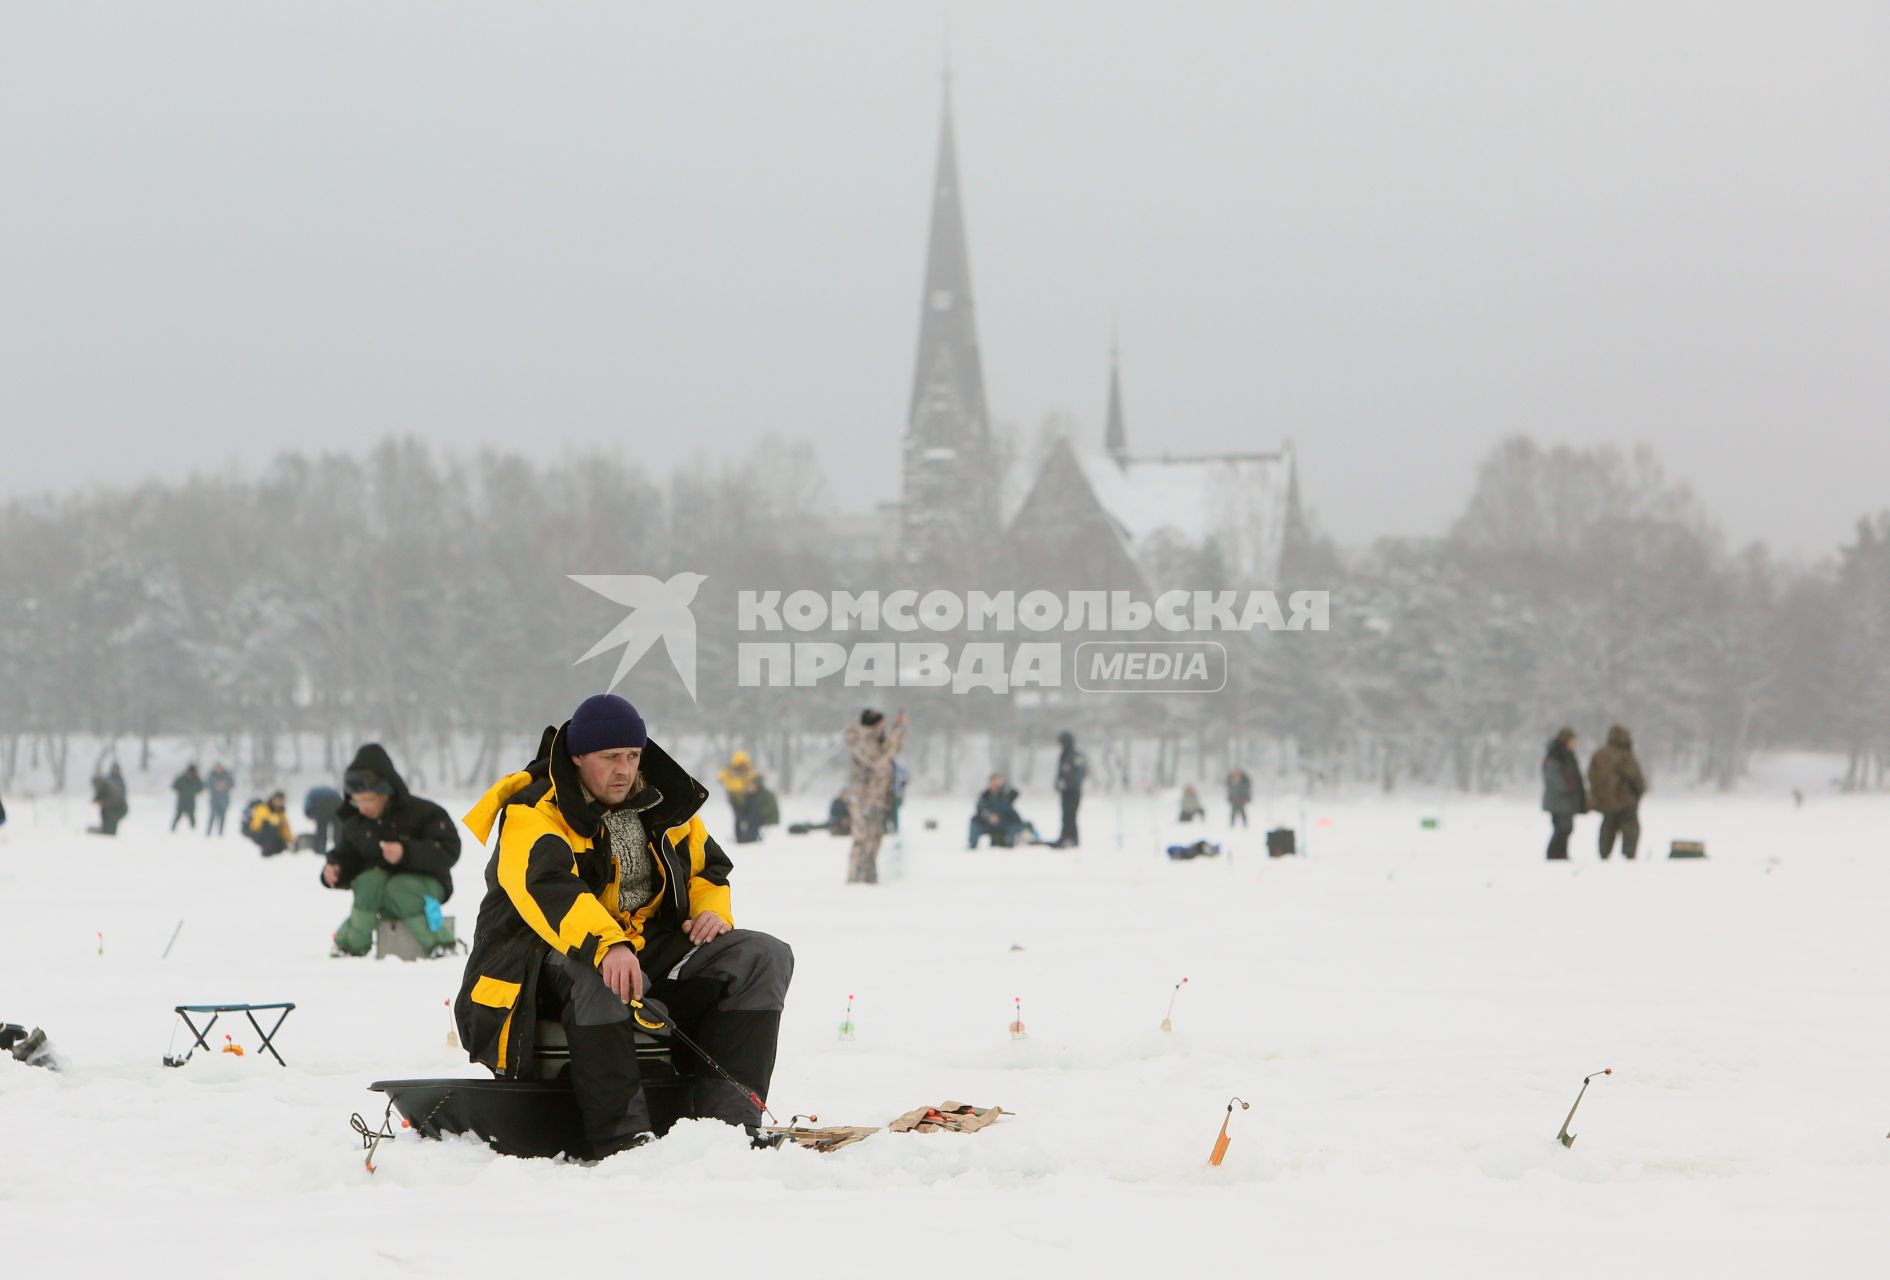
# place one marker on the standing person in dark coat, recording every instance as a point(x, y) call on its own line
point(188, 785)
point(1072, 769)
point(395, 852)
point(222, 782)
point(1615, 788)
point(1239, 796)
point(320, 806)
point(1562, 793)
point(108, 793)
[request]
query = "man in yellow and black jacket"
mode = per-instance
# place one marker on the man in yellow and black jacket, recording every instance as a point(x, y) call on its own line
point(604, 886)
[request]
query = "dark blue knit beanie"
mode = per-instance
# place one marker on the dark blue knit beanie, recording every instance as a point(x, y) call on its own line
point(603, 722)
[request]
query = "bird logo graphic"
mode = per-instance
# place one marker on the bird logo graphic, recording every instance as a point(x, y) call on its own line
point(659, 610)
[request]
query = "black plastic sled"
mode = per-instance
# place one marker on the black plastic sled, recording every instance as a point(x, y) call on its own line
point(516, 1117)
point(533, 1118)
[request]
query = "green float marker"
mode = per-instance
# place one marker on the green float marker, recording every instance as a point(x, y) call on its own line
point(1566, 1138)
point(846, 1026)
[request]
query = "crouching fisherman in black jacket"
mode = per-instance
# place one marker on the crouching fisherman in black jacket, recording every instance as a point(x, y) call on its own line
point(604, 886)
point(395, 852)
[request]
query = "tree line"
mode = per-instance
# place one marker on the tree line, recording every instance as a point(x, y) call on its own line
point(423, 600)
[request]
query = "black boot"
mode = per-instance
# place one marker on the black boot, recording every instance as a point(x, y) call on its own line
point(742, 1042)
point(609, 1089)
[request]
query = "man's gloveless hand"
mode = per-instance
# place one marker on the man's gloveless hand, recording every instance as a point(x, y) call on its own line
point(621, 972)
point(702, 927)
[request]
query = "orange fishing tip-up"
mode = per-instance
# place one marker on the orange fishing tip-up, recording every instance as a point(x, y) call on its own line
point(1222, 1140)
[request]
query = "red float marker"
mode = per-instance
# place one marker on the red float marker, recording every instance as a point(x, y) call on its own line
point(1017, 1023)
point(452, 1026)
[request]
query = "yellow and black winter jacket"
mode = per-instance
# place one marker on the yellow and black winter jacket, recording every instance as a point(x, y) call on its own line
point(262, 817)
point(551, 885)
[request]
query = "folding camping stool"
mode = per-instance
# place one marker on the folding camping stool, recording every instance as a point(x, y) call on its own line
point(247, 1010)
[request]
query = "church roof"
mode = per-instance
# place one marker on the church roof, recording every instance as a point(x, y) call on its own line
point(1238, 501)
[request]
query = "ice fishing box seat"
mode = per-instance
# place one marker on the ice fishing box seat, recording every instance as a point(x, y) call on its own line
point(1281, 843)
point(537, 1117)
point(393, 939)
point(1687, 849)
point(551, 1055)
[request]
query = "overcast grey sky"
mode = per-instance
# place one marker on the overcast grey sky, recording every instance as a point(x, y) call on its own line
point(1390, 232)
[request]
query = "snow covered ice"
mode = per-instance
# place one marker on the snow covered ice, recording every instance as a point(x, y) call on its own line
point(1409, 1011)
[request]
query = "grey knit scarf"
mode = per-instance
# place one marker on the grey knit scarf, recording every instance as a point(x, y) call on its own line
point(630, 845)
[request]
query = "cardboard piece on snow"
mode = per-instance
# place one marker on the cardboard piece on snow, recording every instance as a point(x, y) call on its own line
point(952, 1117)
point(829, 1138)
point(956, 1117)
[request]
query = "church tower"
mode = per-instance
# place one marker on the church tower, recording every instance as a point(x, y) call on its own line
point(949, 517)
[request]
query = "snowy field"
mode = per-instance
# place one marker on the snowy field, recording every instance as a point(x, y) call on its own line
point(1409, 1011)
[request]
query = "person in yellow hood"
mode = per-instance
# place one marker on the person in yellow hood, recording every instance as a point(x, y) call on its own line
point(743, 784)
point(267, 823)
point(605, 886)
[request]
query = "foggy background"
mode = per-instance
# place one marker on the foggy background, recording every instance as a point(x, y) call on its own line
point(1394, 234)
point(333, 337)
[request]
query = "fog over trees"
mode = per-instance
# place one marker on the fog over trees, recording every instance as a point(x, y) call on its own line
point(424, 600)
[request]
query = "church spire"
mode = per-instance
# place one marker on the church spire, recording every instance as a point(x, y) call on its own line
point(947, 481)
point(948, 362)
point(1116, 434)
